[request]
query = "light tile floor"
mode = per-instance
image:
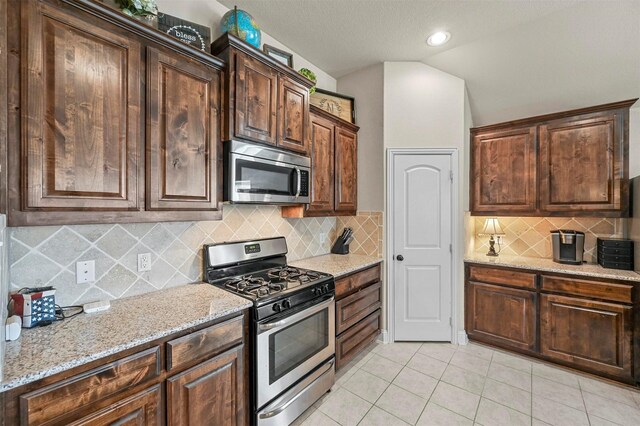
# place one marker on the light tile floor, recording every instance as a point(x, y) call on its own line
point(443, 384)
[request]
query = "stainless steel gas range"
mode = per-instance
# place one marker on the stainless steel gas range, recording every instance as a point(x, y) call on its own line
point(293, 324)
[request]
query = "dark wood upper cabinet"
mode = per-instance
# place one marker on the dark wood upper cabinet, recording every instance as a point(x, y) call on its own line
point(293, 133)
point(504, 171)
point(582, 164)
point(256, 100)
point(183, 134)
point(109, 120)
point(81, 118)
point(346, 170)
point(573, 163)
point(322, 152)
point(334, 168)
point(265, 101)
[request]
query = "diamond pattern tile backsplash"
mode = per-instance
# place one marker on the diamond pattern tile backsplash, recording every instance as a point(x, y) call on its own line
point(530, 236)
point(46, 255)
point(367, 232)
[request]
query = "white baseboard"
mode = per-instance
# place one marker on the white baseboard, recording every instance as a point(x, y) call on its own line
point(384, 337)
point(462, 338)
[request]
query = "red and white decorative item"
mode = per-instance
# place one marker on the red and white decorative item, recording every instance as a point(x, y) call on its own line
point(35, 306)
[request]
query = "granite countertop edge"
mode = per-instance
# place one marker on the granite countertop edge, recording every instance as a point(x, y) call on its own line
point(85, 359)
point(536, 264)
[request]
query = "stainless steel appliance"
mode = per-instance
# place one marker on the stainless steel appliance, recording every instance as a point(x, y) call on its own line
point(568, 246)
point(259, 174)
point(293, 326)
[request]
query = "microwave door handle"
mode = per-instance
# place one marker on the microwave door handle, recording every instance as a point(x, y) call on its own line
point(298, 182)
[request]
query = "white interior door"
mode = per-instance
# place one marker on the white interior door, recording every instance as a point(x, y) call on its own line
point(422, 237)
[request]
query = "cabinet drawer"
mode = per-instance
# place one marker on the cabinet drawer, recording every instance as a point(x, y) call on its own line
point(597, 289)
point(352, 283)
point(52, 404)
point(144, 408)
point(503, 276)
point(204, 343)
point(358, 337)
point(353, 308)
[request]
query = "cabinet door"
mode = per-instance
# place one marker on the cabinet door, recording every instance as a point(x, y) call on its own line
point(293, 116)
point(212, 391)
point(322, 185)
point(183, 100)
point(346, 171)
point(581, 165)
point(144, 408)
point(501, 315)
point(81, 115)
point(503, 171)
point(594, 335)
point(256, 97)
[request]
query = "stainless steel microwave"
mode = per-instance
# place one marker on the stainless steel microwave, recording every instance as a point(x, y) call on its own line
point(257, 174)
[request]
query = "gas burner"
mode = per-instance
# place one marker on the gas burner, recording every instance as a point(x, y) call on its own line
point(245, 284)
point(284, 273)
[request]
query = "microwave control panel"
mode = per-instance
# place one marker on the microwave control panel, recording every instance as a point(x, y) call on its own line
point(304, 183)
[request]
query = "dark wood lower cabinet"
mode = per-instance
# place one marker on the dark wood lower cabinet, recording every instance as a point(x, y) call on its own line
point(153, 384)
point(591, 334)
point(358, 322)
point(209, 392)
point(586, 323)
point(501, 315)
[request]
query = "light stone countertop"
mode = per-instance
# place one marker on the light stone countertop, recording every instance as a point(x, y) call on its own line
point(548, 265)
point(44, 351)
point(337, 265)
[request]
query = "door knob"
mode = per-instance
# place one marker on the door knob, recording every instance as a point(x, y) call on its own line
point(399, 258)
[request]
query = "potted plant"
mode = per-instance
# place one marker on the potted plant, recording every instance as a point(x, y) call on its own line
point(310, 75)
point(144, 10)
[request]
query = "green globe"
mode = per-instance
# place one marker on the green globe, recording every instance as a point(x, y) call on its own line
point(239, 23)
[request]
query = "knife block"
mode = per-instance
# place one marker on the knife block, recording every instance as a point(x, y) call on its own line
point(340, 247)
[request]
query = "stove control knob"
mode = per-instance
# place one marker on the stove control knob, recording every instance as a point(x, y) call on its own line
point(277, 307)
point(325, 288)
point(286, 304)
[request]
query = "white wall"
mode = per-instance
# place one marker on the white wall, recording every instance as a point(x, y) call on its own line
point(366, 87)
point(209, 12)
point(427, 108)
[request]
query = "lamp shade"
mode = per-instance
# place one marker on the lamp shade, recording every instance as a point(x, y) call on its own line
point(491, 227)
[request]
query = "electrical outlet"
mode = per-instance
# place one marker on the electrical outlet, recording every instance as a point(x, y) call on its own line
point(144, 262)
point(323, 237)
point(85, 272)
point(499, 239)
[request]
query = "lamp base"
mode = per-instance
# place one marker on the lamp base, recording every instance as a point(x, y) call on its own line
point(492, 249)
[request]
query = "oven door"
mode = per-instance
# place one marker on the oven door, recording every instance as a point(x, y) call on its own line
point(258, 180)
point(290, 347)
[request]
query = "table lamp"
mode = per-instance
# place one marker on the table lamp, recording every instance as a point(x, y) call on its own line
point(491, 227)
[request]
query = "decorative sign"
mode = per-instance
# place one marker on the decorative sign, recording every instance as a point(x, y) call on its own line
point(335, 104)
point(190, 33)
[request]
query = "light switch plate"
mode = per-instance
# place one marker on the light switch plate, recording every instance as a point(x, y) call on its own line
point(85, 272)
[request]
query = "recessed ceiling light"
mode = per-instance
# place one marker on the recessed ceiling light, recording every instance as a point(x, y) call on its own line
point(439, 38)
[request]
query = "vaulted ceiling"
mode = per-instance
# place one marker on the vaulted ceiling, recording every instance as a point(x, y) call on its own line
point(519, 58)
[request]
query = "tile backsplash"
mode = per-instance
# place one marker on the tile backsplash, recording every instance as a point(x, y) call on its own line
point(530, 236)
point(367, 232)
point(46, 255)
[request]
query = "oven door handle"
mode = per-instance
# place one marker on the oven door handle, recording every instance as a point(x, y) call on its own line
point(296, 317)
point(299, 181)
